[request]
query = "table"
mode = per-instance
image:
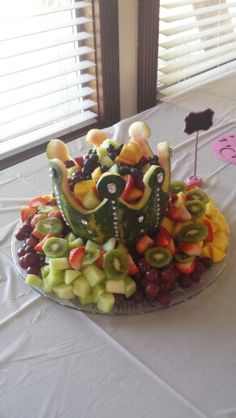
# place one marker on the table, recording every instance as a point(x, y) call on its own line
point(177, 363)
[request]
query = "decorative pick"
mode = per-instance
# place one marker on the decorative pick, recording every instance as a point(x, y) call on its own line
point(195, 122)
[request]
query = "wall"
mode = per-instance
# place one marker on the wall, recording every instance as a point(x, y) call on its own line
point(128, 40)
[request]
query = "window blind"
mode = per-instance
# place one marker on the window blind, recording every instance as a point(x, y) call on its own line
point(196, 39)
point(47, 64)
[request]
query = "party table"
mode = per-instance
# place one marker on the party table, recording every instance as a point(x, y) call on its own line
point(179, 362)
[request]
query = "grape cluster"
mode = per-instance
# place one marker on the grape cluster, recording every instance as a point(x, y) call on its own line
point(157, 283)
point(29, 259)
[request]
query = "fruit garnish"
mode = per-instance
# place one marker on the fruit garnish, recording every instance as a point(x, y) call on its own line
point(76, 257)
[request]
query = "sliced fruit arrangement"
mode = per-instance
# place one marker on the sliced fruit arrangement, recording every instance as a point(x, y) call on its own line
point(189, 239)
point(131, 161)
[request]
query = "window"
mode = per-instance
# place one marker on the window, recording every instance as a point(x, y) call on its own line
point(182, 43)
point(52, 77)
point(197, 39)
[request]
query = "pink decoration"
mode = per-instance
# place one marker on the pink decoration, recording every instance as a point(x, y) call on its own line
point(224, 147)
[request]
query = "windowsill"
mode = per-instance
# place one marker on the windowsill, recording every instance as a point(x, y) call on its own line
point(14, 151)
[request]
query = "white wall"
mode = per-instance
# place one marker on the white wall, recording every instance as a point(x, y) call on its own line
point(128, 40)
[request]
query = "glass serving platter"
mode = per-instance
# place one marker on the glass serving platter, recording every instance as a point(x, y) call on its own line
point(129, 307)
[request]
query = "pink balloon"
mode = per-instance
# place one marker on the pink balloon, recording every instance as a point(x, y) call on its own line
point(224, 147)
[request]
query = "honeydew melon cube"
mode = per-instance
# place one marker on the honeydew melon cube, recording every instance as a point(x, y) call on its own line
point(45, 270)
point(90, 245)
point(55, 277)
point(34, 280)
point(85, 300)
point(60, 263)
point(64, 291)
point(101, 152)
point(90, 200)
point(105, 302)
point(116, 286)
point(47, 288)
point(94, 275)
point(108, 142)
point(107, 161)
point(81, 287)
point(109, 244)
point(71, 275)
point(130, 286)
point(97, 291)
point(70, 236)
point(78, 242)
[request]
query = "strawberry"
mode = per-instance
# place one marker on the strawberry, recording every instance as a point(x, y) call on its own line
point(26, 212)
point(180, 214)
point(36, 233)
point(99, 260)
point(144, 243)
point(79, 161)
point(186, 268)
point(133, 269)
point(76, 256)
point(55, 214)
point(209, 237)
point(129, 185)
point(163, 237)
point(38, 201)
point(171, 246)
point(190, 248)
point(37, 217)
point(39, 246)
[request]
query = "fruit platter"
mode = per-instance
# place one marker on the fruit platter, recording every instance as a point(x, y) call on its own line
point(116, 234)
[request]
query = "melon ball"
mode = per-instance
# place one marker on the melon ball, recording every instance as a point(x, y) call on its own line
point(95, 137)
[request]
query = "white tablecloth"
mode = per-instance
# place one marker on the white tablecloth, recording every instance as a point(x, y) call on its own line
point(177, 363)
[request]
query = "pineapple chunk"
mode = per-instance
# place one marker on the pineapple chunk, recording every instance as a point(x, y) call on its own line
point(167, 223)
point(217, 255)
point(220, 241)
point(210, 209)
point(206, 251)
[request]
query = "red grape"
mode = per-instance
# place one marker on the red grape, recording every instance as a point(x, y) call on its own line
point(207, 261)
point(21, 251)
point(185, 281)
point(164, 297)
point(195, 276)
point(33, 270)
point(22, 262)
point(32, 241)
point(143, 265)
point(152, 275)
point(168, 276)
point(31, 260)
point(24, 231)
point(152, 290)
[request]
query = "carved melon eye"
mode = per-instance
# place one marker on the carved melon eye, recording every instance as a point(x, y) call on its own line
point(110, 185)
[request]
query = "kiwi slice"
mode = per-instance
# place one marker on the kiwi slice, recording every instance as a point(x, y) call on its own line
point(52, 226)
point(55, 247)
point(198, 194)
point(195, 207)
point(183, 258)
point(158, 256)
point(193, 232)
point(45, 209)
point(90, 257)
point(115, 264)
point(177, 186)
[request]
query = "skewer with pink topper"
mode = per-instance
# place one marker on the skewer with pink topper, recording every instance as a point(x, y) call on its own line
point(195, 122)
